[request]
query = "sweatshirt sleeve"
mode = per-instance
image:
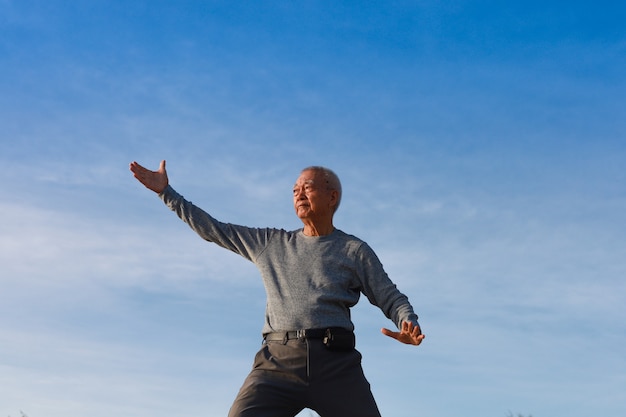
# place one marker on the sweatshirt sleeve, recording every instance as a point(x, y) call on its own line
point(381, 291)
point(245, 241)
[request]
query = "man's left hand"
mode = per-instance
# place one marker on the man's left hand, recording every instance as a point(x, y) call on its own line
point(410, 334)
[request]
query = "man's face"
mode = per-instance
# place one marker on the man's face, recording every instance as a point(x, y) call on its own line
point(311, 197)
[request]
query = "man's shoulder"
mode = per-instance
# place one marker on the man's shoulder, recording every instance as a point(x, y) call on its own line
point(341, 234)
point(348, 238)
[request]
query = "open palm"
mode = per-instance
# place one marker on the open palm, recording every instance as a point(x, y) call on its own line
point(153, 180)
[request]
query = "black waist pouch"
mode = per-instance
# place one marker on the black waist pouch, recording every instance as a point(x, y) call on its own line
point(339, 340)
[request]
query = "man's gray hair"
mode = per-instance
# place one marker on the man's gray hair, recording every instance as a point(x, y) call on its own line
point(331, 179)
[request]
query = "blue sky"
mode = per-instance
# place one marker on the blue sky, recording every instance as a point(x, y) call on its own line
point(481, 146)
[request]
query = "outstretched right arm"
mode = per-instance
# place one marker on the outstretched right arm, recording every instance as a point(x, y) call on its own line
point(245, 241)
point(153, 180)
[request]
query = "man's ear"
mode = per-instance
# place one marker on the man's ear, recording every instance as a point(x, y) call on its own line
point(334, 198)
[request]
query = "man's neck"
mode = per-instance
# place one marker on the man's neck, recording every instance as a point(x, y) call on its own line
point(318, 230)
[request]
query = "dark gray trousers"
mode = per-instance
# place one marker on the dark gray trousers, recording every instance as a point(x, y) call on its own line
point(289, 377)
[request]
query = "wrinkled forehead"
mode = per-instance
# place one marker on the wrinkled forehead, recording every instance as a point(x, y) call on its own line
point(307, 177)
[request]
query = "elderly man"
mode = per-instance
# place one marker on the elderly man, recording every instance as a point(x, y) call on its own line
point(312, 277)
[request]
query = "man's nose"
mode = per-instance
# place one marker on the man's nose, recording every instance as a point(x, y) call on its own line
point(299, 193)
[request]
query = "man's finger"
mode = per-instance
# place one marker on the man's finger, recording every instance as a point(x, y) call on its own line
point(390, 333)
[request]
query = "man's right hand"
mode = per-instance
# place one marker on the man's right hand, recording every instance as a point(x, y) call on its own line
point(153, 180)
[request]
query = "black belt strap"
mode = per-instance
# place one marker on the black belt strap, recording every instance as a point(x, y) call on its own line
point(302, 334)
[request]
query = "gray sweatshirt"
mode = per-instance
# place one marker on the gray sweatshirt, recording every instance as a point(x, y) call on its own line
point(310, 282)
